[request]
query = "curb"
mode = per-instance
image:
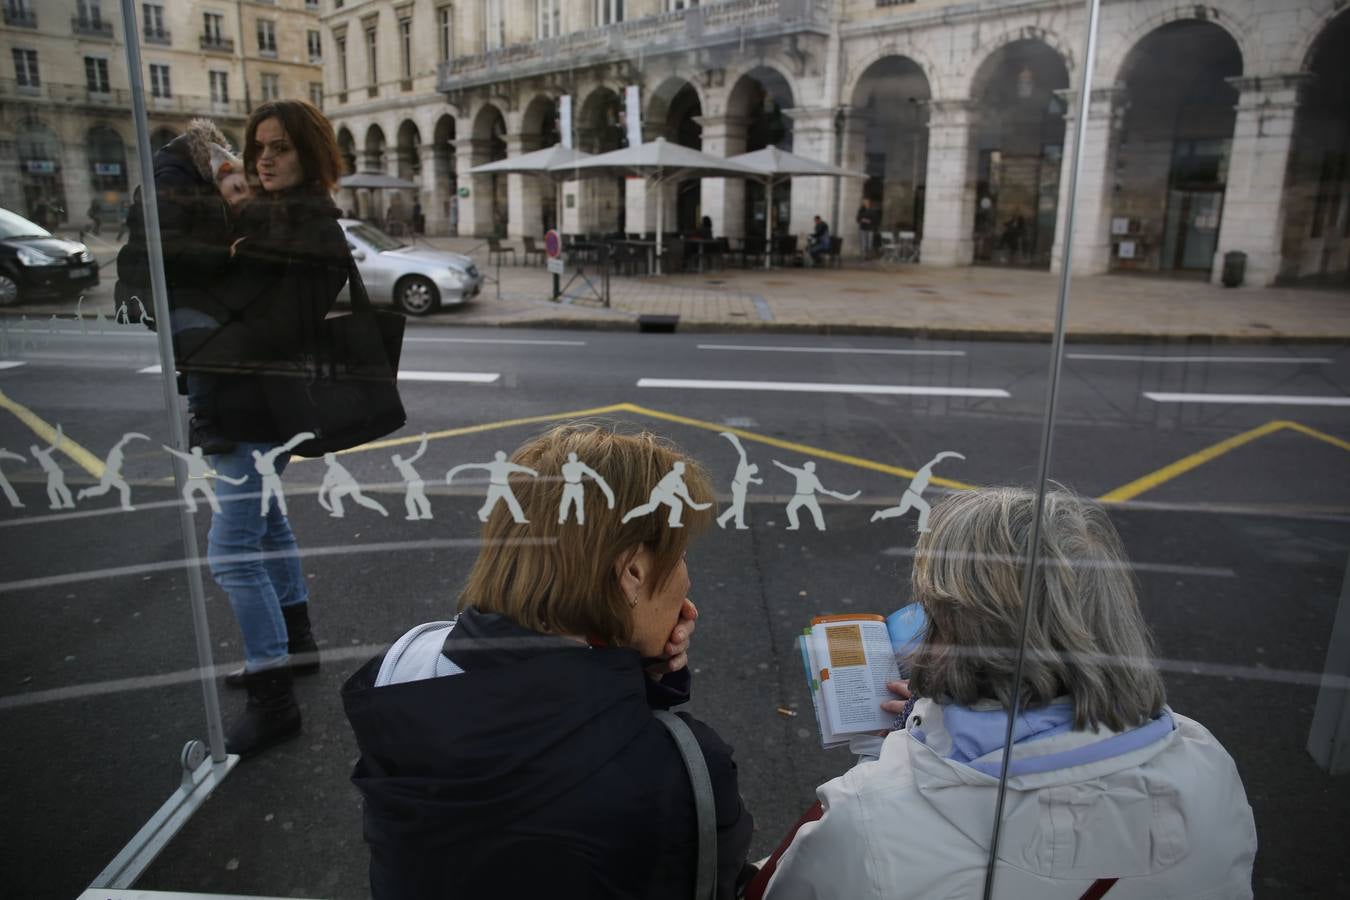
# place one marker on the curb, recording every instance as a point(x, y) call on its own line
point(943, 333)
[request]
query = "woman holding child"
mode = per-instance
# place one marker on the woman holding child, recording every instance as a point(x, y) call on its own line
point(288, 260)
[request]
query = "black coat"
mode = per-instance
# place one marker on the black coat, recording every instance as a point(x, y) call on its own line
point(284, 278)
point(538, 772)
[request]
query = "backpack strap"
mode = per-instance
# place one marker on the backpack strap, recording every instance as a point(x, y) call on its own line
point(1098, 888)
point(705, 883)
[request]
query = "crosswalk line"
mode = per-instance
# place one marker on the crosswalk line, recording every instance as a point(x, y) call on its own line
point(1250, 399)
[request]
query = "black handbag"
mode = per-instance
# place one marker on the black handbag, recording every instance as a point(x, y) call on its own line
point(344, 389)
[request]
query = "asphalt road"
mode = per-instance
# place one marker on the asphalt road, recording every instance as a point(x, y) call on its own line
point(1239, 529)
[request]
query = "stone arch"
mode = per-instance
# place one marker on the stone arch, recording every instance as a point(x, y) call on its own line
point(492, 203)
point(993, 51)
point(931, 72)
point(539, 123)
point(1309, 44)
point(599, 128)
point(671, 90)
point(1171, 150)
point(887, 138)
point(1017, 150)
point(347, 148)
point(1130, 38)
point(444, 205)
point(734, 75)
point(758, 102)
point(375, 145)
point(107, 155)
point(1315, 243)
point(41, 178)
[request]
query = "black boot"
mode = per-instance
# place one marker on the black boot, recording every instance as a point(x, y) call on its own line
point(299, 643)
point(271, 715)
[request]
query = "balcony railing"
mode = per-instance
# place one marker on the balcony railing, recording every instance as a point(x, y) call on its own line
point(214, 43)
point(158, 36)
point(697, 27)
point(20, 18)
point(117, 98)
point(95, 28)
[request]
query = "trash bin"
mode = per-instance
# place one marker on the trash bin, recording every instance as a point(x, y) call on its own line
point(1234, 268)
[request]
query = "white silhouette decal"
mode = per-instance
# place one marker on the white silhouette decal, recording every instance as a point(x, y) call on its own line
point(146, 319)
point(338, 483)
point(498, 486)
point(808, 485)
point(5, 486)
point(198, 473)
point(415, 499)
point(740, 485)
point(669, 491)
point(266, 465)
point(27, 336)
point(58, 495)
point(912, 498)
point(573, 495)
point(112, 472)
point(79, 315)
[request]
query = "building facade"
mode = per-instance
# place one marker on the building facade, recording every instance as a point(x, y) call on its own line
point(66, 136)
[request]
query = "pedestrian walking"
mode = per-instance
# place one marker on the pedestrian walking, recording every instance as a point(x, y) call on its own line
point(868, 217)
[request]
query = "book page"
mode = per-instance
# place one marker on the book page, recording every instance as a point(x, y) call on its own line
point(856, 661)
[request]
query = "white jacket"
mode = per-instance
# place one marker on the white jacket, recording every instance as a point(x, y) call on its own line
point(1170, 819)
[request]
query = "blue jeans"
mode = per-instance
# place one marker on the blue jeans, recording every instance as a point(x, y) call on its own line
point(254, 557)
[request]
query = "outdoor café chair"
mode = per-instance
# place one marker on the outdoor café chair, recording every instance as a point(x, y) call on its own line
point(495, 248)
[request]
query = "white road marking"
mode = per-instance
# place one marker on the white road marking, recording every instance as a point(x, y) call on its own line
point(820, 387)
point(11, 363)
point(1259, 399)
point(151, 370)
point(1262, 360)
point(878, 351)
point(460, 377)
point(452, 340)
point(412, 375)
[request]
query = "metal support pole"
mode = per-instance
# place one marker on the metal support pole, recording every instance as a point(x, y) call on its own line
point(178, 434)
point(202, 771)
point(1032, 559)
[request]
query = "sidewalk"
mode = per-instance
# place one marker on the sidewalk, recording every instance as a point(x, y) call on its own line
point(861, 298)
point(967, 302)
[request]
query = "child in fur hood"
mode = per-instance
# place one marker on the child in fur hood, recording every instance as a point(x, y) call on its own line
point(202, 193)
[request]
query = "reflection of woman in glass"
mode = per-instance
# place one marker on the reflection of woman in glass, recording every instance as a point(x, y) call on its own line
point(284, 277)
point(522, 735)
point(1105, 783)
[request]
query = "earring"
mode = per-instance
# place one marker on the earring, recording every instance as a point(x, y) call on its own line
point(632, 601)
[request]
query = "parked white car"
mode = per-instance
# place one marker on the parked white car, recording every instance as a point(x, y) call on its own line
point(417, 280)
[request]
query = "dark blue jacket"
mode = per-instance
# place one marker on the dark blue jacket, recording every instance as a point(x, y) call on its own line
point(539, 771)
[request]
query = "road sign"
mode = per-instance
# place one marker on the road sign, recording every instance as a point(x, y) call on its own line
point(552, 244)
point(556, 266)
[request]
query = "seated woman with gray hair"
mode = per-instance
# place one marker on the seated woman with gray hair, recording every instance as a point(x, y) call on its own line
point(1109, 791)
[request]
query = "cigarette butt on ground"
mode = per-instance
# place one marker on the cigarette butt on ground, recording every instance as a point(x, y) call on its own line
point(784, 711)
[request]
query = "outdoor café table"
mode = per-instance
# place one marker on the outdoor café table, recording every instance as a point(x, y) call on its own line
point(648, 246)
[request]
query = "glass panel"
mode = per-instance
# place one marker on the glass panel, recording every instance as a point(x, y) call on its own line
point(1211, 428)
point(852, 355)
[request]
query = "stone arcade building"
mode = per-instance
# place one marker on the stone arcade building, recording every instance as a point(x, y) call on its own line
point(1212, 127)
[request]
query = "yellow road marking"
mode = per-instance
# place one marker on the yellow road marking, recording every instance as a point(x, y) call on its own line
point(80, 456)
point(1320, 435)
point(1211, 453)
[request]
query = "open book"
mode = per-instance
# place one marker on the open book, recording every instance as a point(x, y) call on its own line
point(848, 661)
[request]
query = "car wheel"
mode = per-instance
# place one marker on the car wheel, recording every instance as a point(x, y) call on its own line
point(416, 295)
point(9, 290)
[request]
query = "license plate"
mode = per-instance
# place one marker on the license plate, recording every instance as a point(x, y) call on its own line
point(80, 272)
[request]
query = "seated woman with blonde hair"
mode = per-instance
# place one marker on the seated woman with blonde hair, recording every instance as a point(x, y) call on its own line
point(514, 752)
point(1110, 793)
